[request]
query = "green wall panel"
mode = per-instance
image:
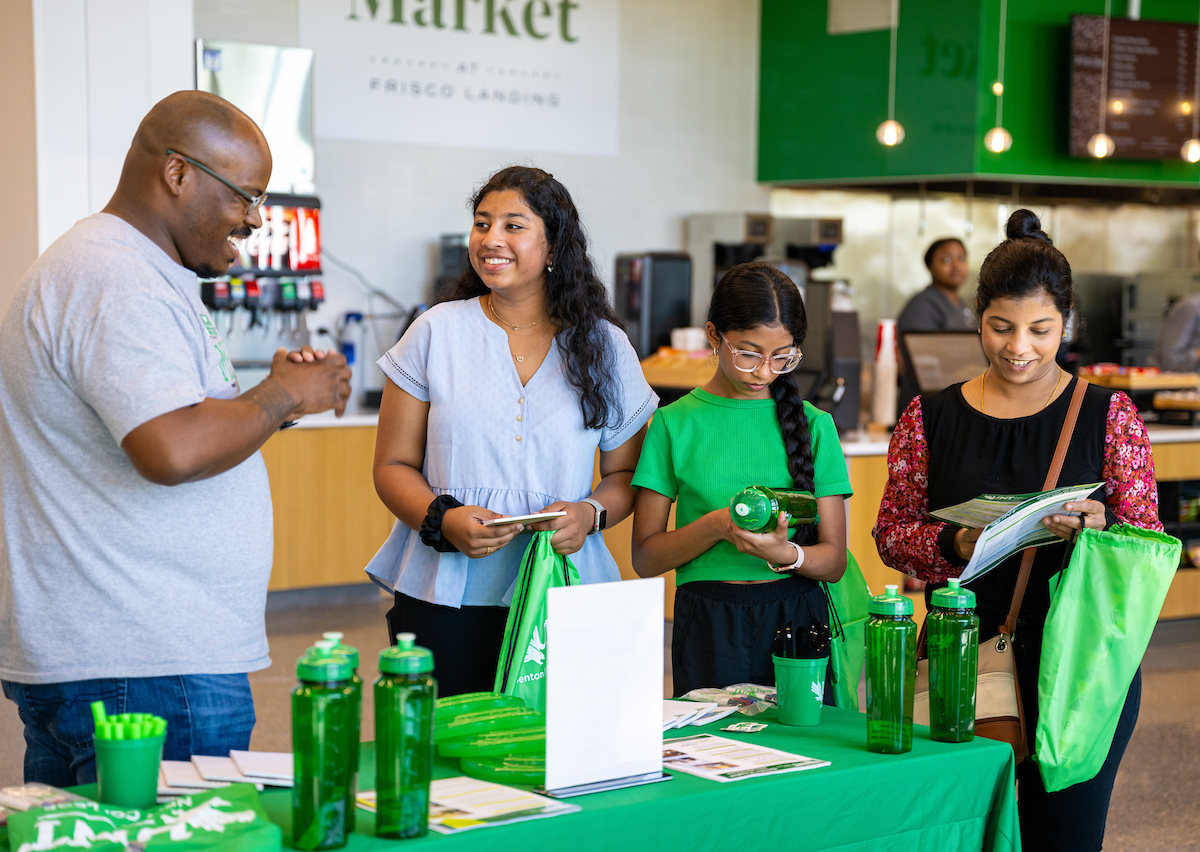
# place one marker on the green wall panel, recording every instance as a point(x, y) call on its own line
point(822, 96)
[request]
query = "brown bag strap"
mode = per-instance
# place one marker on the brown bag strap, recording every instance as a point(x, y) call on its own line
point(1009, 628)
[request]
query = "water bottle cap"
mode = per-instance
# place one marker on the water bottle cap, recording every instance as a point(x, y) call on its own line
point(891, 602)
point(320, 664)
point(405, 657)
point(338, 648)
point(954, 596)
point(751, 509)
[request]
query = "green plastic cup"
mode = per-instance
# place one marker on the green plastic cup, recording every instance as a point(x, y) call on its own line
point(127, 771)
point(800, 689)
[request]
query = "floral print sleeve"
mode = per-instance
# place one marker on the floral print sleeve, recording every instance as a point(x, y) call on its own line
point(905, 536)
point(1129, 487)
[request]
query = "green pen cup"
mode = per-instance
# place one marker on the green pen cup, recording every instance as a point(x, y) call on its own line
point(127, 771)
point(800, 689)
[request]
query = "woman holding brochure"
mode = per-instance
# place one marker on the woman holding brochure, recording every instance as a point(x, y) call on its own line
point(496, 403)
point(996, 434)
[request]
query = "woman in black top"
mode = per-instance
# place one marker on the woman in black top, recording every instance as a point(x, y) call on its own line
point(997, 434)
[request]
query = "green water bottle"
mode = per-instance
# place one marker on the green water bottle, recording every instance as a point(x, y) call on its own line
point(404, 700)
point(757, 508)
point(356, 684)
point(952, 631)
point(891, 672)
point(324, 740)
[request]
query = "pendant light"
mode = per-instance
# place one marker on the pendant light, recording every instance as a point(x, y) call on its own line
point(1190, 150)
point(891, 132)
point(1101, 145)
point(998, 140)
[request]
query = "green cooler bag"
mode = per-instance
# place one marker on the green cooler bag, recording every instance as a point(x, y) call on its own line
point(848, 605)
point(522, 667)
point(1101, 616)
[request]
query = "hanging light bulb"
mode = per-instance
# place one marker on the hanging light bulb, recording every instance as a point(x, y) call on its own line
point(1100, 145)
point(998, 140)
point(1191, 151)
point(890, 133)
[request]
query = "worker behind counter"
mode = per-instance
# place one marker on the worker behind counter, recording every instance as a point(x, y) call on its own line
point(135, 510)
point(937, 307)
point(1178, 345)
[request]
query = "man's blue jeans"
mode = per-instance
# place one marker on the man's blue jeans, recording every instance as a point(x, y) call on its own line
point(206, 714)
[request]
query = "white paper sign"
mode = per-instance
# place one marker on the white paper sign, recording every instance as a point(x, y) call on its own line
point(604, 681)
point(513, 74)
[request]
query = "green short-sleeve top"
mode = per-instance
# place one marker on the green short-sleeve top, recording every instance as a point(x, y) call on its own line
point(703, 449)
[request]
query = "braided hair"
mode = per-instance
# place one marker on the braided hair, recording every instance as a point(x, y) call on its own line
point(755, 294)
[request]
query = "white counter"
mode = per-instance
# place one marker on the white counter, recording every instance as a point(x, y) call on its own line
point(857, 443)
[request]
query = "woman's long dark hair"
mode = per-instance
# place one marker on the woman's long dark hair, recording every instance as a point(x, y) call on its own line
point(576, 300)
point(755, 294)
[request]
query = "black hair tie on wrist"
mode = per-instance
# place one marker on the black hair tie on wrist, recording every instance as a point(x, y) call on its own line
point(431, 527)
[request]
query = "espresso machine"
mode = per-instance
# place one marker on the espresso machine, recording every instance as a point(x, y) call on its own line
point(717, 242)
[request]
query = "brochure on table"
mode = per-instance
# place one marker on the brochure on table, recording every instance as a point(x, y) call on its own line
point(462, 804)
point(1010, 522)
point(723, 759)
point(603, 639)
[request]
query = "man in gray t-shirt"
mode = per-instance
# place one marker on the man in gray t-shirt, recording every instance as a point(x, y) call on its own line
point(134, 503)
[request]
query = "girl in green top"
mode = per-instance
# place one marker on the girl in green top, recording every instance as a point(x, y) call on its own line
point(748, 425)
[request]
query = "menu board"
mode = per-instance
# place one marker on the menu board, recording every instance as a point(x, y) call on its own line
point(1149, 93)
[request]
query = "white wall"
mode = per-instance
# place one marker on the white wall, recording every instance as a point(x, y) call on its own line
point(100, 65)
point(688, 131)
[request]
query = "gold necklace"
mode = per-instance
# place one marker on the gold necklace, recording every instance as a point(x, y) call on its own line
point(492, 308)
point(520, 358)
point(983, 387)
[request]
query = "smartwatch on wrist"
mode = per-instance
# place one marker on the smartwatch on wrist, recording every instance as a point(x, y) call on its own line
point(601, 515)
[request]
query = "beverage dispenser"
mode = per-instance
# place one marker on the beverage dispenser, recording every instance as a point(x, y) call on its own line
point(265, 300)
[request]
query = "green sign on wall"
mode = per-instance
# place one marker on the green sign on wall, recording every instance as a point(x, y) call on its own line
point(821, 96)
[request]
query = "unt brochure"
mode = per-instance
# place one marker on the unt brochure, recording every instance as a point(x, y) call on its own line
point(723, 759)
point(461, 804)
point(1011, 522)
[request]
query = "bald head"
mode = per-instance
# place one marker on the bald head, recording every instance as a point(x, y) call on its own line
point(199, 124)
point(182, 207)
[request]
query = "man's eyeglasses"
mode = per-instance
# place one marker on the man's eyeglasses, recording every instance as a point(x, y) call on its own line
point(748, 361)
point(255, 200)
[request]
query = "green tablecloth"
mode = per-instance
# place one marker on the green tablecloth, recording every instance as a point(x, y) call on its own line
point(936, 797)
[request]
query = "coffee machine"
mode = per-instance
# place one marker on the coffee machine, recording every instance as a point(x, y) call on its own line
point(717, 242)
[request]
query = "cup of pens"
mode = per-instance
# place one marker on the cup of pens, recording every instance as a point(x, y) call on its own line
point(801, 658)
point(128, 753)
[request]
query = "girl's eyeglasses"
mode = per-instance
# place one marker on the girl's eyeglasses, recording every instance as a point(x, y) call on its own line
point(748, 361)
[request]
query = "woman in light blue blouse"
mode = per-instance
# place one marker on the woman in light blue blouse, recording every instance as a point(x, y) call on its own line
point(496, 403)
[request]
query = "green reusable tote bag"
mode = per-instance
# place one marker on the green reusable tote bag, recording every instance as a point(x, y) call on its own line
point(1101, 617)
point(848, 605)
point(522, 668)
